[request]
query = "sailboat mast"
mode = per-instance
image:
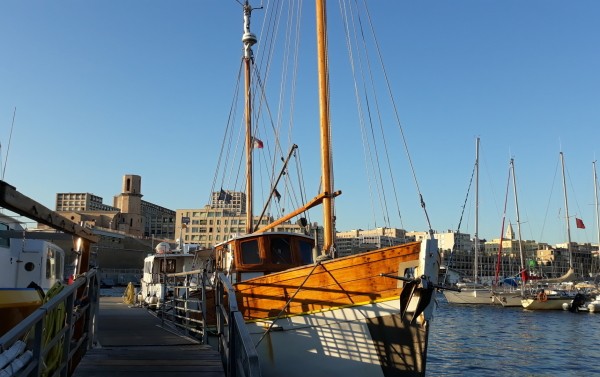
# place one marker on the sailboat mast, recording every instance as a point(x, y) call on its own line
point(249, 40)
point(514, 177)
point(596, 203)
point(562, 161)
point(476, 239)
point(325, 132)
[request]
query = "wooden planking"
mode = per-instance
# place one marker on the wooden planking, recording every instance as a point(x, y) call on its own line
point(151, 361)
point(132, 343)
point(340, 282)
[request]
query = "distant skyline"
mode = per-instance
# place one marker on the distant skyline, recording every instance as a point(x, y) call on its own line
point(104, 89)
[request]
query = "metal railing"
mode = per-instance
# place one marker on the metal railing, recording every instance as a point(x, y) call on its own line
point(184, 304)
point(56, 353)
point(186, 307)
point(238, 353)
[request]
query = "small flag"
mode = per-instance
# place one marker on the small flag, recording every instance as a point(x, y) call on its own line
point(257, 142)
point(579, 223)
point(224, 196)
point(277, 194)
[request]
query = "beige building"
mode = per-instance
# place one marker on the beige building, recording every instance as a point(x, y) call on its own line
point(71, 202)
point(358, 240)
point(510, 246)
point(129, 213)
point(222, 219)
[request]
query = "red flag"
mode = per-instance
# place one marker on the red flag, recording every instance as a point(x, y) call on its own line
point(579, 223)
point(257, 143)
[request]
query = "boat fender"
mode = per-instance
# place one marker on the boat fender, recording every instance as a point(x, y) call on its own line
point(542, 297)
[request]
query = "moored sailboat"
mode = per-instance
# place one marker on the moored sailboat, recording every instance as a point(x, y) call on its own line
point(366, 314)
point(473, 292)
point(548, 298)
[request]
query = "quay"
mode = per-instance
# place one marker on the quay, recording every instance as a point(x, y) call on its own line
point(131, 342)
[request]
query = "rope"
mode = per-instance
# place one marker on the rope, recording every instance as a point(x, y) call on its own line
point(53, 324)
point(317, 263)
point(129, 294)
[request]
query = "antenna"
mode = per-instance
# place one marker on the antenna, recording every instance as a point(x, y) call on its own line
point(9, 139)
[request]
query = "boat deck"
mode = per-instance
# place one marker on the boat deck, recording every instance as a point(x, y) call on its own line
point(132, 343)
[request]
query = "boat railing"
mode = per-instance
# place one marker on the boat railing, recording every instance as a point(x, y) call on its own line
point(185, 307)
point(184, 304)
point(235, 344)
point(52, 340)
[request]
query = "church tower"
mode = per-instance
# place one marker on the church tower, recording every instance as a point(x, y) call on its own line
point(130, 204)
point(510, 233)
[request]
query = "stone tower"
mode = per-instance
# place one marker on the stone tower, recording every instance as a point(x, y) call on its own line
point(130, 204)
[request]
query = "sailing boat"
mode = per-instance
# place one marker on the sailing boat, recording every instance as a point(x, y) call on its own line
point(361, 315)
point(512, 297)
point(549, 298)
point(475, 292)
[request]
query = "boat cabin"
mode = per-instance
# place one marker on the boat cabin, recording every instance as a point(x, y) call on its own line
point(253, 255)
point(26, 260)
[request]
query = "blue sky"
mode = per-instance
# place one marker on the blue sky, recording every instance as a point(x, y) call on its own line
point(107, 88)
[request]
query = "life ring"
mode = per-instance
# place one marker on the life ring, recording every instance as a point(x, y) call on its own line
point(542, 297)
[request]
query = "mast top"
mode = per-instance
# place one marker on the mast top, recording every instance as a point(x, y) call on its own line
point(249, 39)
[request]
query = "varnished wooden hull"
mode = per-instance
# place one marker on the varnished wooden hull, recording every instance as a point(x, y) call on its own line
point(344, 318)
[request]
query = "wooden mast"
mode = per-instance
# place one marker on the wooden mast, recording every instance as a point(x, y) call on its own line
point(249, 40)
point(326, 163)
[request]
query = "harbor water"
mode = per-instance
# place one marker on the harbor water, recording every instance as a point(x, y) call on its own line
point(490, 340)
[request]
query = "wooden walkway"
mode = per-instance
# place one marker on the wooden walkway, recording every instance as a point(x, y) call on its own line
point(132, 343)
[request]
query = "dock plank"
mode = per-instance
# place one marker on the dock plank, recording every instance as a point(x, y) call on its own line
point(131, 342)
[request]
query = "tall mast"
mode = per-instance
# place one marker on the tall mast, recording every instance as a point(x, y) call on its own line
point(249, 40)
point(476, 259)
point(596, 203)
point(326, 163)
point(562, 161)
point(514, 177)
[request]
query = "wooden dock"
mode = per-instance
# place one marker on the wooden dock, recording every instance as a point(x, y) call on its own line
point(133, 343)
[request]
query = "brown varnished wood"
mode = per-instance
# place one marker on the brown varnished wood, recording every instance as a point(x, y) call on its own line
point(334, 283)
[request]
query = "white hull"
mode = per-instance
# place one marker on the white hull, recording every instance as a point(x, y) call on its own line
point(594, 307)
point(552, 303)
point(364, 340)
point(470, 296)
point(509, 299)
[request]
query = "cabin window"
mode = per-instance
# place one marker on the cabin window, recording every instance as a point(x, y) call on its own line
point(250, 253)
point(306, 254)
point(4, 242)
point(281, 252)
point(167, 265)
point(48, 268)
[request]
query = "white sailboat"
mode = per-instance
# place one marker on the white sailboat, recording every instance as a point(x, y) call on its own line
point(551, 298)
point(473, 292)
point(361, 315)
point(512, 297)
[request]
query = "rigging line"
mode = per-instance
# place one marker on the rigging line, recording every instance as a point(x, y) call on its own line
point(9, 140)
point(549, 200)
point(380, 122)
point(403, 136)
point(466, 198)
point(499, 259)
point(377, 165)
point(317, 264)
point(365, 141)
point(462, 212)
point(230, 117)
point(576, 201)
point(294, 79)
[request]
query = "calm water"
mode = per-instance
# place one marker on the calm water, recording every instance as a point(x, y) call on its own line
point(486, 340)
point(491, 340)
